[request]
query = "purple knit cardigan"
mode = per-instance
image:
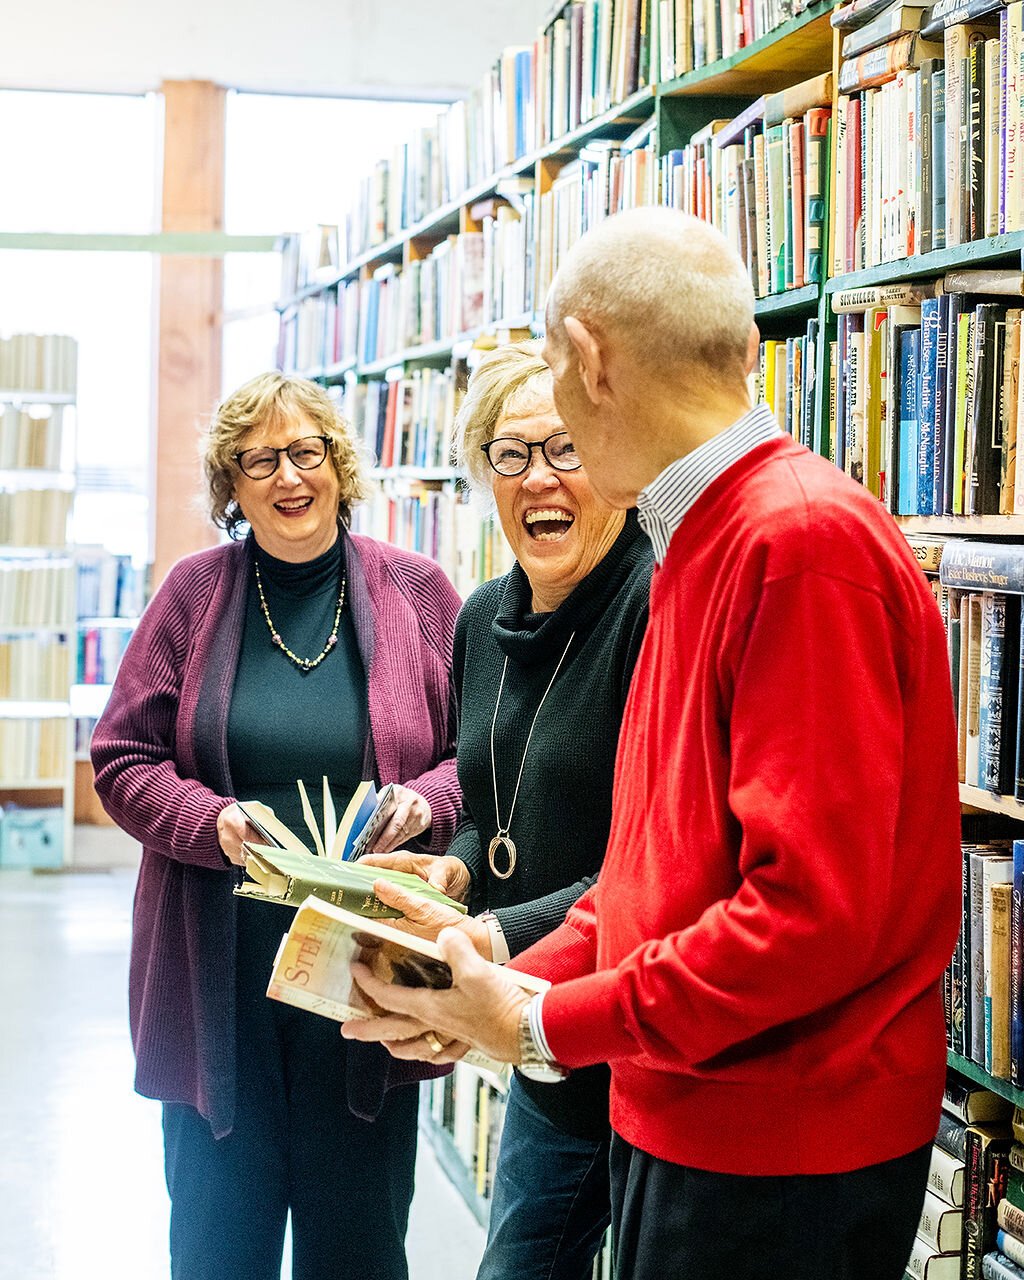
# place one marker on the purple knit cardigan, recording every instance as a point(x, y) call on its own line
point(160, 755)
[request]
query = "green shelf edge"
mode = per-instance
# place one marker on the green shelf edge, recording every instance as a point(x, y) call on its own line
point(792, 302)
point(701, 75)
point(975, 254)
point(980, 1076)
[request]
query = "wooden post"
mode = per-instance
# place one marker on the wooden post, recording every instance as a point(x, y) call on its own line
point(191, 298)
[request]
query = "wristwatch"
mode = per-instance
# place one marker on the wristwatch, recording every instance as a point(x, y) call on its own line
point(532, 1062)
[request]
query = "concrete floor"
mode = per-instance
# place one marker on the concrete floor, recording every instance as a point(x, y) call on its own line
point(81, 1174)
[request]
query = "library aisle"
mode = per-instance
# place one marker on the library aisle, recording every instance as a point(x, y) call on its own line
point(81, 1179)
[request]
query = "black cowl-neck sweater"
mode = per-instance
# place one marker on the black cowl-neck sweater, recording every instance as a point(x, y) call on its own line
point(563, 811)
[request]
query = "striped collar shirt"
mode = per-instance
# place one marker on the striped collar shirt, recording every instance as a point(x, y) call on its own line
point(662, 505)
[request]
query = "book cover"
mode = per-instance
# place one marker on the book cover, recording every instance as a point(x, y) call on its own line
point(313, 967)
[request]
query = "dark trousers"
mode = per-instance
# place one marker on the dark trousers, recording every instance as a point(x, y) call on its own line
point(550, 1204)
point(671, 1222)
point(295, 1146)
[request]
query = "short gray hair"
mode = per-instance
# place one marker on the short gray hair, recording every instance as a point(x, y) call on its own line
point(667, 285)
point(510, 382)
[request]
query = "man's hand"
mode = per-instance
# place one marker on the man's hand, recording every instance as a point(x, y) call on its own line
point(411, 816)
point(480, 1009)
point(232, 828)
point(447, 874)
point(426, 919)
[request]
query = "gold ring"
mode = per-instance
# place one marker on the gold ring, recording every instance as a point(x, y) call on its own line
point(434, 1043)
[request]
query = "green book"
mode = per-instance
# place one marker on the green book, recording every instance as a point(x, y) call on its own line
point(290, 876)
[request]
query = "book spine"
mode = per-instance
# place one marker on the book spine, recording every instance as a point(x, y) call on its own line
point(1017, 968)
point(983, 566)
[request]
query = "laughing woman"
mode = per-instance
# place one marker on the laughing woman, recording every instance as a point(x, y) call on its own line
point(543, 660)
point(295, 651)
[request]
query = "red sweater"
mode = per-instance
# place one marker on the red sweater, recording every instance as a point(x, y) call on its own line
point(760, 959)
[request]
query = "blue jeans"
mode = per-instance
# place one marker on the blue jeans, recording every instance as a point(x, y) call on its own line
point(551, 1201)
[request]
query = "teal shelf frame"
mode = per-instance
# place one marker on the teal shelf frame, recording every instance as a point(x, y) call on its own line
point(1005, 250)
point(980, 1076)
point(755, 60)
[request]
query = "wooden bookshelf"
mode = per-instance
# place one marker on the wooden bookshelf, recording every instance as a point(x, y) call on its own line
point(987, 801)
point(964, 526)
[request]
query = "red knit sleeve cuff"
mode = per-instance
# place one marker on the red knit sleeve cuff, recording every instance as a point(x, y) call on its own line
point(584, 1022)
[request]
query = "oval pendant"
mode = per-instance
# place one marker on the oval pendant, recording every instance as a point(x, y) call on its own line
point(510, 849)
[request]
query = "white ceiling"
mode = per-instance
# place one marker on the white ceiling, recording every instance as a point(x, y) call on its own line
point(400, 48)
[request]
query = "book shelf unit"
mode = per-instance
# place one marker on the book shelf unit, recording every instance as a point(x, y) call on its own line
point(663, 117)
point(37, 623)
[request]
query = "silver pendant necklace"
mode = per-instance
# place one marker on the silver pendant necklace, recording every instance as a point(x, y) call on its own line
point(503, 840)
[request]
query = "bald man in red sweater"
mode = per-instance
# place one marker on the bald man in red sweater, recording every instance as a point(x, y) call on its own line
point(760, 960)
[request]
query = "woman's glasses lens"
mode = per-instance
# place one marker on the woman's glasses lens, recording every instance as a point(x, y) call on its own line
point(511, 457)
point(306, 454)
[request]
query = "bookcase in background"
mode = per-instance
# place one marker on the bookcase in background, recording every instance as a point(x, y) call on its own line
point(456, 238)
point(37, 621)
point(864, 162)
point(110, 593)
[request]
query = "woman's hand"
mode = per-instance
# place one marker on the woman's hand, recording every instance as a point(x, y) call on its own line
point(447, 874)
point(426, 919)
point(411, 816)
point(232, 828)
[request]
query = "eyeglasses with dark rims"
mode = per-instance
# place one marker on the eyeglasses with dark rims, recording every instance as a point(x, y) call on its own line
point(510, 456)
point(260, 463)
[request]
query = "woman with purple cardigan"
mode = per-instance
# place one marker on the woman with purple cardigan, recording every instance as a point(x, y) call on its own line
point(296, 652)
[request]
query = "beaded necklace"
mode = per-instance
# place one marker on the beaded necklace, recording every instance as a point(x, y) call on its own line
point(304, 664)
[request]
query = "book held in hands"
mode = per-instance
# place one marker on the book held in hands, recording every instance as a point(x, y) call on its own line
point(313, 968)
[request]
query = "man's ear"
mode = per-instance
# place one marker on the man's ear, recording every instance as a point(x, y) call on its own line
point(753, 347)
point(588, 351)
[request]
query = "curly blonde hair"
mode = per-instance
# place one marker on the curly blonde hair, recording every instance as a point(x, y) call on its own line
point(266, 402)
point(510, 382)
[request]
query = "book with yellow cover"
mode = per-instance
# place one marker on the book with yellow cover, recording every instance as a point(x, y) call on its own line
point(313, 968)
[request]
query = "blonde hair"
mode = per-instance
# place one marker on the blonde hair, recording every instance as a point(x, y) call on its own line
point(266, 402)
point(510, 382)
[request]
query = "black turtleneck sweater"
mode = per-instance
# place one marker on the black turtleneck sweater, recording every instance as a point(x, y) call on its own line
point(563, 813)
point(286, 723)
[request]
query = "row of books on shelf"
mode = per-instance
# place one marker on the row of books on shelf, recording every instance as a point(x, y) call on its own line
point(436, 297)
point(35, 593)
point(31, 437)
point(984, 986)
point(407, 421)
point(34, 668)
point(929, 130)
point(83, 730)
point(100, 650)
point(109, 585)
point(972, 1220)
point(442, 523)
point(925, 393)
point(978, 591)
point(762, 180)
point(38, 362)
point(33, 749)
point(34, 517)
point(786, 382)
point(590, 56)
point(470, 1111)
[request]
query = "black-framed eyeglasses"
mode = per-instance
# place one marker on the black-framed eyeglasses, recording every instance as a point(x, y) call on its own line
point(510, 456)
point(260, 463)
